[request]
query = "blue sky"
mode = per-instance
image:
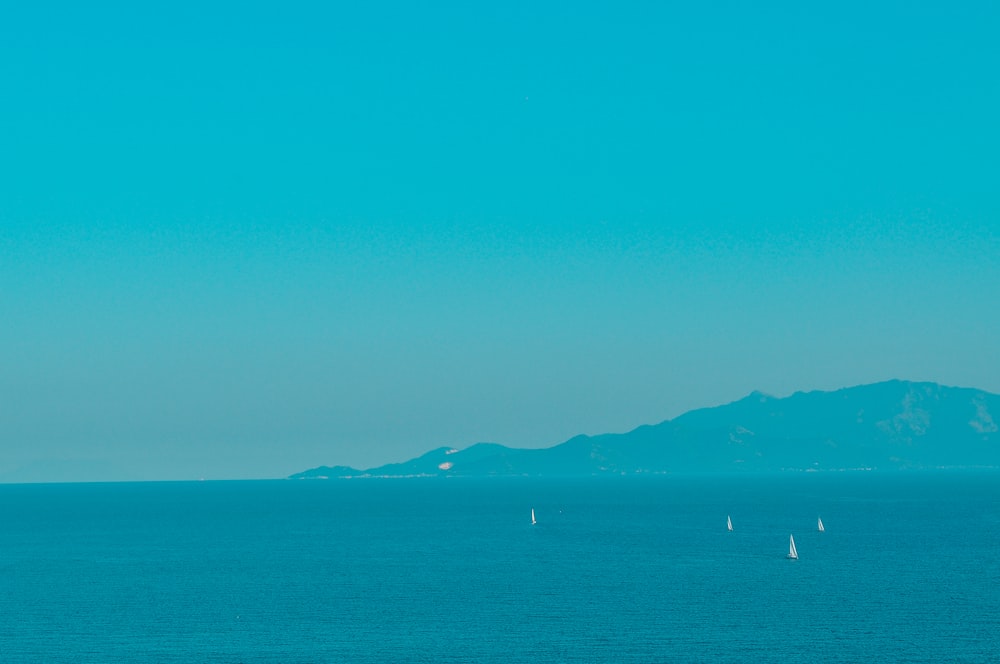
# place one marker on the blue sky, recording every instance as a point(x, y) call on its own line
point(242, 240)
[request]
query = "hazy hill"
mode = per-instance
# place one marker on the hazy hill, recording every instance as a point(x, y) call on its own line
point(891, 425)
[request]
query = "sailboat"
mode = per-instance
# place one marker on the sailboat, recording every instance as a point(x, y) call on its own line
point(793, 554)
point(729, 524)
point(533, 522)
point(819, 525)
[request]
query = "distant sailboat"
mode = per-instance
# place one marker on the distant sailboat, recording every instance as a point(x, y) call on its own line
point(533, 522)
point(819, 525)
point(793, 554)
point(729, 524)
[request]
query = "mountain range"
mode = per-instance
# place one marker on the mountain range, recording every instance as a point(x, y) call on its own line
point(889, 425)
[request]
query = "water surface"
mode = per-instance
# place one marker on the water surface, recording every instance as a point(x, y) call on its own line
point(635, 569)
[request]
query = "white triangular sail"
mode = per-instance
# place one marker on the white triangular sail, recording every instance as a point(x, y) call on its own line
point(729, 524)
point(533, 522)
point(819, 524)
point(793, 554)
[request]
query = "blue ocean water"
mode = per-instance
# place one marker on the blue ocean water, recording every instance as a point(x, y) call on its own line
point(638, 569)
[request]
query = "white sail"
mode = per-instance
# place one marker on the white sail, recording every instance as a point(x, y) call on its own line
point(729, 524)
point(793, 554)
point(533, 522)
point(819, 525)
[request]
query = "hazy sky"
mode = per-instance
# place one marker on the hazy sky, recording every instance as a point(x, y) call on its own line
point(247, 239)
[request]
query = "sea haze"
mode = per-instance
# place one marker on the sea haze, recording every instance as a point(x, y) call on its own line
point(637, 569)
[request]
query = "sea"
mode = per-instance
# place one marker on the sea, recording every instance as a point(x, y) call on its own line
point(616, 569)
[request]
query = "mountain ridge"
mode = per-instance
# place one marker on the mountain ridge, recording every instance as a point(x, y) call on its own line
point(893, 424)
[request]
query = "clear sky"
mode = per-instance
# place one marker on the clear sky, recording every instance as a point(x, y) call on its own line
point(243, 239)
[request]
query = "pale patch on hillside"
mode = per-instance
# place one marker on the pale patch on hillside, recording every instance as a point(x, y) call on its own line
point(983, 421)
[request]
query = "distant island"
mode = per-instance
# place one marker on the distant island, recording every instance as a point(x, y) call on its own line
point(890, 425)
